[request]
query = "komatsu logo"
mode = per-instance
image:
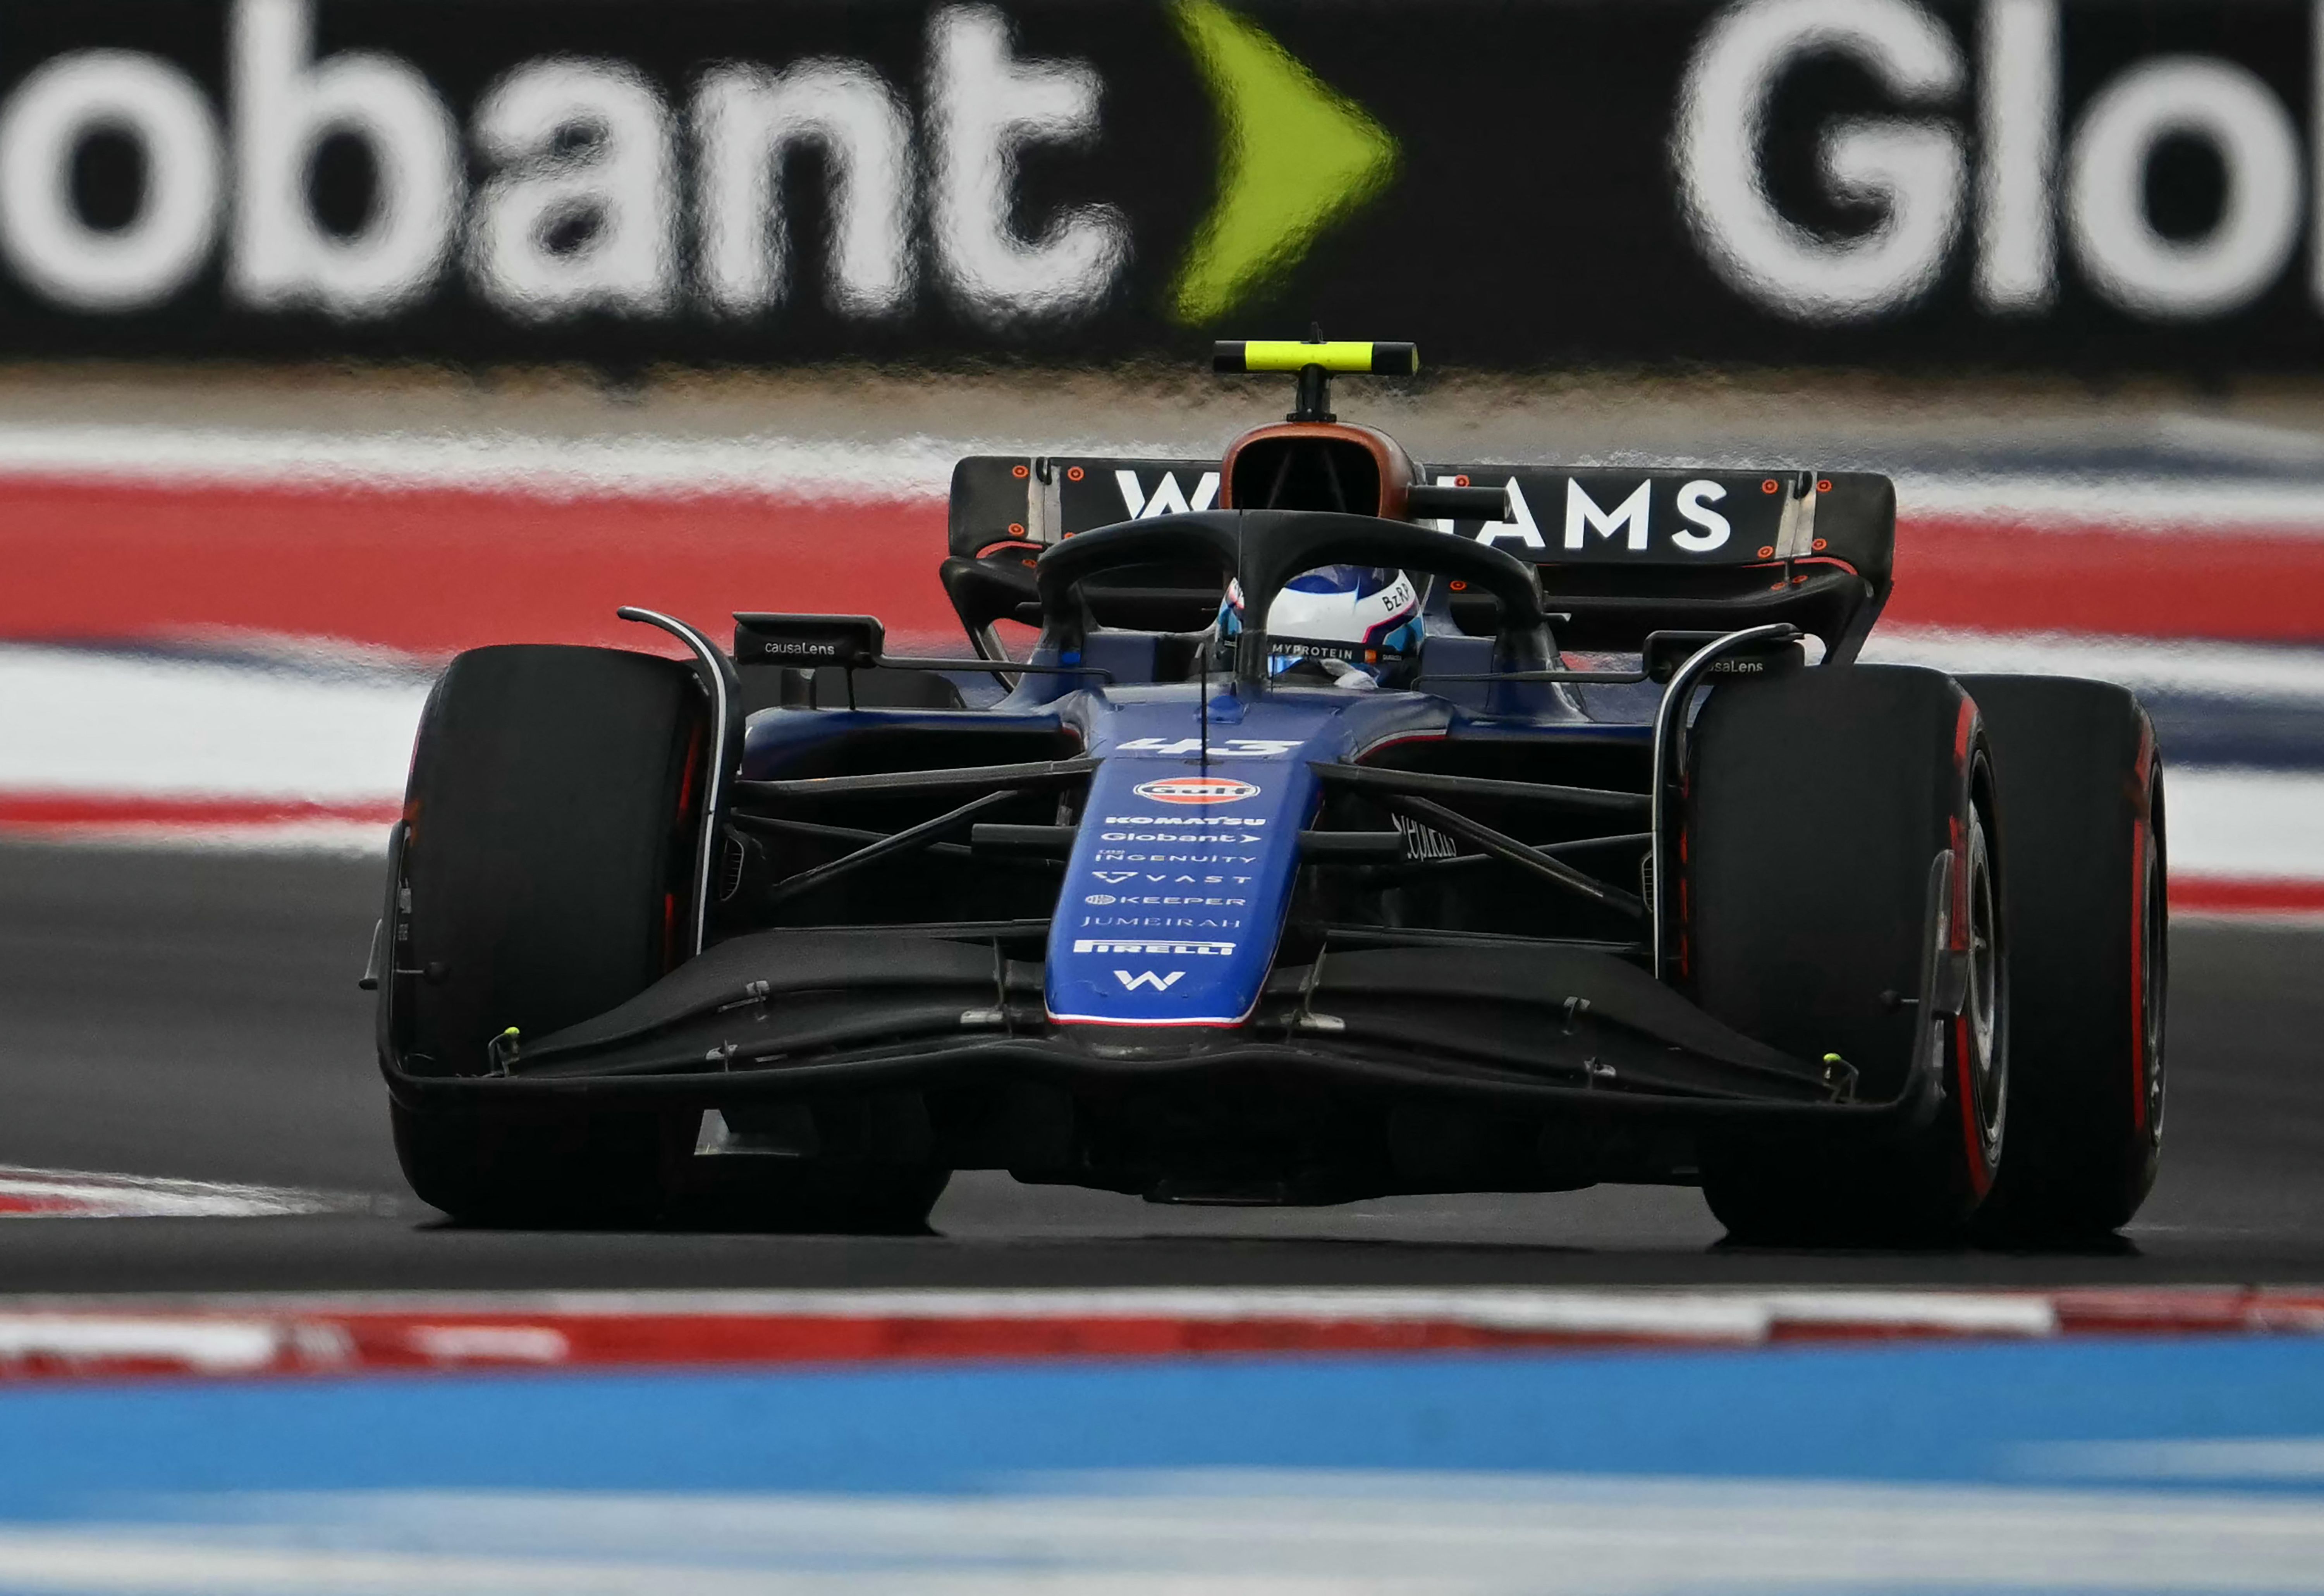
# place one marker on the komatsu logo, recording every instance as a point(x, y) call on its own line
point(1187, 819)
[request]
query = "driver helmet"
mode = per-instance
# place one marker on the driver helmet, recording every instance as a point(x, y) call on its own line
point(1354, 626)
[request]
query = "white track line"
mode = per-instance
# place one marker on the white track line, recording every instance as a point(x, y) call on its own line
point(2245, 825)
point(200, 1346)
point(919, 466)
point(1718, 1316)
point(2275, 674)
point(2299, 1458)
point(347, 839)
point(211, 730)
point(80, 1194)
point(1225, 1531)
point(631, 465)
point(81, 721)
point(2162, 506)
point(350, 1333)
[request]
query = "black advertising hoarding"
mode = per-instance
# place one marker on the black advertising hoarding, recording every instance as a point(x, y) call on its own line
point(2090, 184)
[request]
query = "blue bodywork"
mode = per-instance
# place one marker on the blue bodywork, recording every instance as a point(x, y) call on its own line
point(1184, 866)
point(1183, 869)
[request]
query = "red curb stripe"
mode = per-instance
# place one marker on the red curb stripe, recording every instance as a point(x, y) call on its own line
point(436, 569)
point(71, 810)
point(110, 1343)
point(2210, 896)
point(1990, 573)
point(12, 1205)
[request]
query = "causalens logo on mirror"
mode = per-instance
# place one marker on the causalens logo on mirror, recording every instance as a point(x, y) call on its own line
point(1196, 790)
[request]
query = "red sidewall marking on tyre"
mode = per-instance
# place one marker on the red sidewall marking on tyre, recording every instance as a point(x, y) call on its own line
point(2141, 829)
point(1980, 1172)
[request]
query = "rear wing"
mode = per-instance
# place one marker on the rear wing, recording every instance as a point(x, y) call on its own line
point(1621, 552)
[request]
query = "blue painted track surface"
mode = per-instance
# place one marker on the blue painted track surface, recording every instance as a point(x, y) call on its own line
point(1912, 1413)
point(2091, 1445)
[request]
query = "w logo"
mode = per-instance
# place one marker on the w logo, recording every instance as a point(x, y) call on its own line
point(1147, 978)
point(1169, 498)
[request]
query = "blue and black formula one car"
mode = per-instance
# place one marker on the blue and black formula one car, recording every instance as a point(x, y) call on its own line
point(1354, 827)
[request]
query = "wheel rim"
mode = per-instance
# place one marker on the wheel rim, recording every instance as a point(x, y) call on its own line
point(1985, 1017)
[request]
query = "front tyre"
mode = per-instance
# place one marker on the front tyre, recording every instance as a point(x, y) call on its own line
point(1818, 804)
point(592, 1168)
point(550, 818)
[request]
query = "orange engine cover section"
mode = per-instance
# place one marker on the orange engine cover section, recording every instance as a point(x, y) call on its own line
point(1317, 465)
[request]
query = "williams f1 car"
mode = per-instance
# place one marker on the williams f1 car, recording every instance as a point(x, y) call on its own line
point(1350, 826)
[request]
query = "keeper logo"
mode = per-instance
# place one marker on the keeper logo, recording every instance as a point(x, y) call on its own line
point(1196, 790)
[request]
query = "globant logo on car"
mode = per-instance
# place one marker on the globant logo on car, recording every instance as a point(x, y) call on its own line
point(1196, 790)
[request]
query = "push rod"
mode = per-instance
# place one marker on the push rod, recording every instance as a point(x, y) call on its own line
point(1431, 784)
point(1024, 777)
point(1522, 854)
point(903, 842)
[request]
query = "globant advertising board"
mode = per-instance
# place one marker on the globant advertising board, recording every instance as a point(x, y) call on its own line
point(2091, 184)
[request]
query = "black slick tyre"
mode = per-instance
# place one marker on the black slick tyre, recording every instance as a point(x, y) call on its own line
point(2081, 784)
point(549, 855)
point(1817, 803)
point(572, 1169)
point(551, 826)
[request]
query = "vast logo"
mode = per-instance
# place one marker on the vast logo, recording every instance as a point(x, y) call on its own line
point(1148, 978)
point(1196, 790)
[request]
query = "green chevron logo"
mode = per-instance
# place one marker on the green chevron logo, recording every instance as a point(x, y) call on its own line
point(1296, 156)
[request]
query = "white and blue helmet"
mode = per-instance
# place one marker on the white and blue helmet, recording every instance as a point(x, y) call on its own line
point(1352, 624)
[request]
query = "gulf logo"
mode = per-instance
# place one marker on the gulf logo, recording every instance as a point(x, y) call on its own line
point(1196, 790)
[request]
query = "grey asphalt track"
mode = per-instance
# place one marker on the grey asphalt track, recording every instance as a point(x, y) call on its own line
point(194, 1014)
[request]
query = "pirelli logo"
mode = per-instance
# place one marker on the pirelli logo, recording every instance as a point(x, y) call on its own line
point(1182, 949)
